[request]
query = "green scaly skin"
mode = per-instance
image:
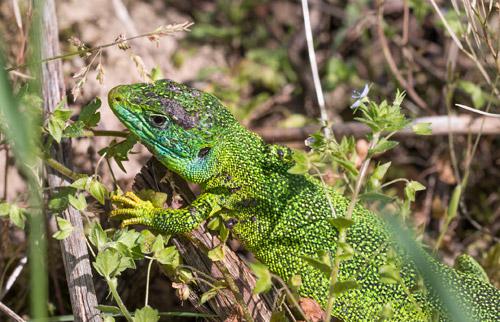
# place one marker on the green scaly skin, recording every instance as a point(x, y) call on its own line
point(278, 216)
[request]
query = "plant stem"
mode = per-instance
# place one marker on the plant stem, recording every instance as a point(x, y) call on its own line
point(118, 300)
point(343, 232)
point(147, 282)
point(62, 169)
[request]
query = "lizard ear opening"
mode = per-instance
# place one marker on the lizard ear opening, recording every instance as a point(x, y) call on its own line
point(203, 152)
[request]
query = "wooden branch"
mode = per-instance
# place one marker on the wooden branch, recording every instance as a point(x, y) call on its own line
point(440, 125)
point(193, 248)
point(74, 249)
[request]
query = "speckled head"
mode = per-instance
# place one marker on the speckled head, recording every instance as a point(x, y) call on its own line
point(180, 125)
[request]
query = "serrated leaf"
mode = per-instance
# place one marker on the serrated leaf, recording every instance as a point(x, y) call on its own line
point(78, 202)
point(107, 262)
point(216, 254)
point(344, 286)
point(88, 114)
point(340, 223)
point(169, 256)
point(263, 283)
point(98, 191)
point(65, 228)
point(146, 314)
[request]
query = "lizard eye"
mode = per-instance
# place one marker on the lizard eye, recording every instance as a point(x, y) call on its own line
point(158, 121)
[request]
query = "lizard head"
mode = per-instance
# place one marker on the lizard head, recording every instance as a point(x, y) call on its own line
point(180, 125)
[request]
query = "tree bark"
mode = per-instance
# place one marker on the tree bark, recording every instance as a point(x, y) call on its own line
point(74, 249)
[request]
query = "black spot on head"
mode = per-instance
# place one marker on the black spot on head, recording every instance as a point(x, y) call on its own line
point(178, 113)
point(280, 153)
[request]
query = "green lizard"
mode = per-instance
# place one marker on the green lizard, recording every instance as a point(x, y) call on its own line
point(280, 217)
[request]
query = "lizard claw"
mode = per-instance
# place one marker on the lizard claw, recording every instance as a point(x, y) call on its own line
point(130, 205)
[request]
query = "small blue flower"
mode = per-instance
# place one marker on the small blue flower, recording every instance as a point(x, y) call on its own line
point(359, 96)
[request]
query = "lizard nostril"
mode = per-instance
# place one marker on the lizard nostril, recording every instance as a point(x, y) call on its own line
point(118, 99)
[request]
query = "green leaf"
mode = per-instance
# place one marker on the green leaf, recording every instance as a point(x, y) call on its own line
point(59, 200)
point(216, 254)
point(263, 283)
point(389, 274)
point(347, 250)
point(98, 191)
point(107, 262)
point(17, 216)
point(375, 196)
point(322, 263)
point(4, 209)
point(108, 318)
point(97, 236)
point(340, 223)
point(55, 128)
point(215, 223)
point(119, 150)
point(82, 183)
point(78, 202)
point(295, 282)
point(380, 171)
point(411, 188)
point(65, 229)
point(301, 165)
point(158, 199)
point(146, 241)
point(382, 146)
point(169, 256)
point(146, 314)
point(344, 286)
point(454, 202)
point(158, 245)
point(88, 115)
point(422, 128)
point(210, 294)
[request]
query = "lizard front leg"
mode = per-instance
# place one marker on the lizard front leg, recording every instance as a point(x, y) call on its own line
point(170, 221)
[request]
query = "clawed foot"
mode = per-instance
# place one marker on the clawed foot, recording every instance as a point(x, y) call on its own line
point(129, 205)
